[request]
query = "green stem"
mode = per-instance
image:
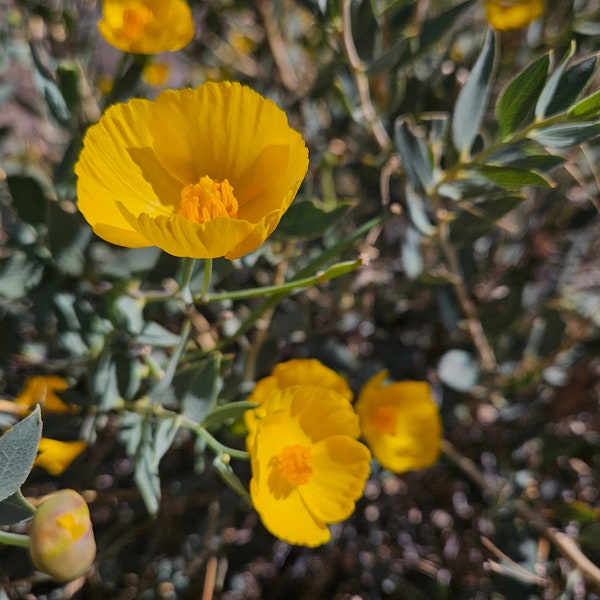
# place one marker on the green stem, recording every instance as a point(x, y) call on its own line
point(215, 445)
point(323, 276)
point(187, 269)
point(208, 263)
point(14, 539)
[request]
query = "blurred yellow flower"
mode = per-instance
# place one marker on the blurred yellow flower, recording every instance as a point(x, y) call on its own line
point(41, 390)
point(61, 537)
point(146, 26)
point(55, 456)
point(299, 371)
point(200, 173)
point(156, 73)
point(512, 14)
point(400, 423)
point(308, 469)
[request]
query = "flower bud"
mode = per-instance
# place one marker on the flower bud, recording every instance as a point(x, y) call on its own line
point(61, 537)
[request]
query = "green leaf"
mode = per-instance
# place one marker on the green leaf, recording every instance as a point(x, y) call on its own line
point(473, 98)
point(28, 198)
point(163, 437)
point(588, 108)
point(414, 153)
point(394, 55)
point(551, 86)
point(572, 82)
point(565, 136)
point(226, 412)
point(15, 509)
point(480, 217)
point(518, 98)
point(434, 28)
point(127, 314)
point(510, 178)
point(68, 237)
point(153, 334)
point(18, 274)
point(198, 390)
point(410, 253)
point(18, 449)
point(417, 211)
point(304, 219)
point(535, 162)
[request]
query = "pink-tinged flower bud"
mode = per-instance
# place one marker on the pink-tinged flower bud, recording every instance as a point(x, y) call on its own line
point(61, 537)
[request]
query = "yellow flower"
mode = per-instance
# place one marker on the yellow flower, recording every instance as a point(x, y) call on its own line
point(308, 469)
point(512, 14)
point(156, 73)
point(400, 423)
point(61, 536)
point(55, 456)
point(201, 173)
point(299, 371)
point(146, 26)
point(42, 390)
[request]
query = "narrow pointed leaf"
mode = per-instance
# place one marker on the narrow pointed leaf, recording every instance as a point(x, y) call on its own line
point(588, 108)
point(571, 84)
point(519, 96)
point(511, 178)
point(473, 98)
point(551, 86)
point(414, 153)
point(565, 136)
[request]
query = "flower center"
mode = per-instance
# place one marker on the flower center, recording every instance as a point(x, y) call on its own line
point(71, 524)
point(295, 464)
point(135, 18)
point(208, 199)
point(384, 419)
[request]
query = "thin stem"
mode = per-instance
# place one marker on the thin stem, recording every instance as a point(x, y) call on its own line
point(484, 349)
point(208, 264)
point(14, 539)
point(362, 83)
point(214, 443)
point(187, 270)
point(323, 276)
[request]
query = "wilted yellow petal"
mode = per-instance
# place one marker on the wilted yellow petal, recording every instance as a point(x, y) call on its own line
point(55, 456)
point(41, 389)
point(146, 26)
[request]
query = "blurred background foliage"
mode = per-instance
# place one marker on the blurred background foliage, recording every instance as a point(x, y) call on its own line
point(473, 202)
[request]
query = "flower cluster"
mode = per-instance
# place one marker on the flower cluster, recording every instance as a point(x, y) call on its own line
point(200, 173)
point(308, 469)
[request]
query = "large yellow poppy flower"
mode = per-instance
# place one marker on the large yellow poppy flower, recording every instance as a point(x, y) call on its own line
point(308, 469)
point(400, 423)
point(200, 173)
point(146, 26)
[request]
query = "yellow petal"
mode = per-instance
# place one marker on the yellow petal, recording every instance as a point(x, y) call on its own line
point(55, 456)
point(505, 15)
point(341, 468)
point(401, 423)
point(287, 517)
point(41, 389)
point(146, 26)
point(118, 165)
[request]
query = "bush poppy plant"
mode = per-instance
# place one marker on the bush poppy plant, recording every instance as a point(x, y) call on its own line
point(200, 173)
